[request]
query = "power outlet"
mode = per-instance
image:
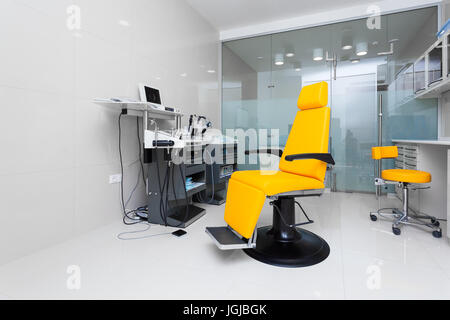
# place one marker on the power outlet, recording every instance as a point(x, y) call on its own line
point(115, 178)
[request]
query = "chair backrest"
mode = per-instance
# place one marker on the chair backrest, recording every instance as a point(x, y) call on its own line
point(379, 153)
point(310, 132)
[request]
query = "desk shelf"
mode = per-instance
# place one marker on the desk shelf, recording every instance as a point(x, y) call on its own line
point(138, 108)
point(199, 186)
point(435, 90)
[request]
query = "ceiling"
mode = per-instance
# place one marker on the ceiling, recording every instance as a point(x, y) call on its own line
point(229, 14)
point(259, 52)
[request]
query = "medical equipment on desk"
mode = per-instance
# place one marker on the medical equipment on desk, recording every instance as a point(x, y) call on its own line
point(194, 135)
point(152, 95)
point(198, 125)
point(161, 139)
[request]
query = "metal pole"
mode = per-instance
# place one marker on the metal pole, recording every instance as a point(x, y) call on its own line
point(380, 121)
point(380, 140)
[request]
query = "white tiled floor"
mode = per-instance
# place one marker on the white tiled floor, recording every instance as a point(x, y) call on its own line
point(366, 262)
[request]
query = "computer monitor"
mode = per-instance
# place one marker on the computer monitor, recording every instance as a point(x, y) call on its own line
point(150, 94)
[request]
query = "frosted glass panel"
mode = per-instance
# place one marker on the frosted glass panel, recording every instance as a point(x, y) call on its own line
point(354, 132)
point(415, 119)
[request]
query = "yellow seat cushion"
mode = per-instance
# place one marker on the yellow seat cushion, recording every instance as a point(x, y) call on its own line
point(276, 182)
point(403, 175)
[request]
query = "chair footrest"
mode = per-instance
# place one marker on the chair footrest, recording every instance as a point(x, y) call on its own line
point(226, 239)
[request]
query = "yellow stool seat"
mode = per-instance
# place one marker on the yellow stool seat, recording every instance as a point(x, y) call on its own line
point(409, 176)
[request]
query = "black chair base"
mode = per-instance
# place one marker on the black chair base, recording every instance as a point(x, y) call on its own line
point(309, 250)
point(283, 245)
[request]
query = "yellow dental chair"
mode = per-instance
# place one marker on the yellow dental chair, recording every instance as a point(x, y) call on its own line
point(303, 166)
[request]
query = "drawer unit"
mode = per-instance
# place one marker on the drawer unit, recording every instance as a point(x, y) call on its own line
point(410, 158)
point(410, 148)
point(399, 164)
point(407, 157)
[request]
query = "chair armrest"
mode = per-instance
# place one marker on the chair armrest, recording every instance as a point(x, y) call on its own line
point(324, 157)
point(276, 152)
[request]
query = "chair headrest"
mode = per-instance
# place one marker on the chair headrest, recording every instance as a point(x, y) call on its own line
point(313, 96)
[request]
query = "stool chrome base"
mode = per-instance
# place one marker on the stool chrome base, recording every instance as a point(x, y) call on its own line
point(403, 217)
point(400, 218)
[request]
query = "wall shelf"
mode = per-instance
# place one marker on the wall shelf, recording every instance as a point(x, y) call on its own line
point(138, 108)
point(435, 90)
point(431, 71)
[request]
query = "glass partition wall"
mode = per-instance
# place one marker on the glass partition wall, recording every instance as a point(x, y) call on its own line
point(361, 61)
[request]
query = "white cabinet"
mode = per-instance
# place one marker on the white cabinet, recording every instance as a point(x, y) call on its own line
point(408, 159)
point(432, 156)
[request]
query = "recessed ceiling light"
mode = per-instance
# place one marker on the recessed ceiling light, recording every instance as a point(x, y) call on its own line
point(279, 59)
point(211, 71)
point(361, 49)
point(289, 51)
point(355, 60)
point(184, 75)
point(318, 54)
point(347, 41)
point(259, 58)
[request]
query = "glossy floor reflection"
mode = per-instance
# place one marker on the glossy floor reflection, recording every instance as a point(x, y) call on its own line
point(366, 262)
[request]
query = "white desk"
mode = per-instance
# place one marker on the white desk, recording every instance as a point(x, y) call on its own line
point(433, 156)
point(424, 142)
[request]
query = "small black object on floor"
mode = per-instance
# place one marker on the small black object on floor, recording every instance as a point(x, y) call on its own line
point(179, 233)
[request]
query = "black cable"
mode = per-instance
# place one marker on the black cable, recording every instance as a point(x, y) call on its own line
point(185, 193)
point(212, 179)
point(167, 193)
point(175, 196)
point(162, 212)
point(162, 209)
point(125, 214)
point(120, 236)
point(163, 206)
point(173, 189)
point(159, 184)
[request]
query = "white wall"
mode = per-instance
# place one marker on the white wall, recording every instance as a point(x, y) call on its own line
point(57, 147)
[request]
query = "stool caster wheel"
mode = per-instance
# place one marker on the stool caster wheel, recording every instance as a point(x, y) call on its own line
point(373, 217)
point(437, 234)
point(435, 223)
point(396, 231)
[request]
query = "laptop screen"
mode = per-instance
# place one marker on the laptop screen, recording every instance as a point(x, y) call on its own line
point(152, 95)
